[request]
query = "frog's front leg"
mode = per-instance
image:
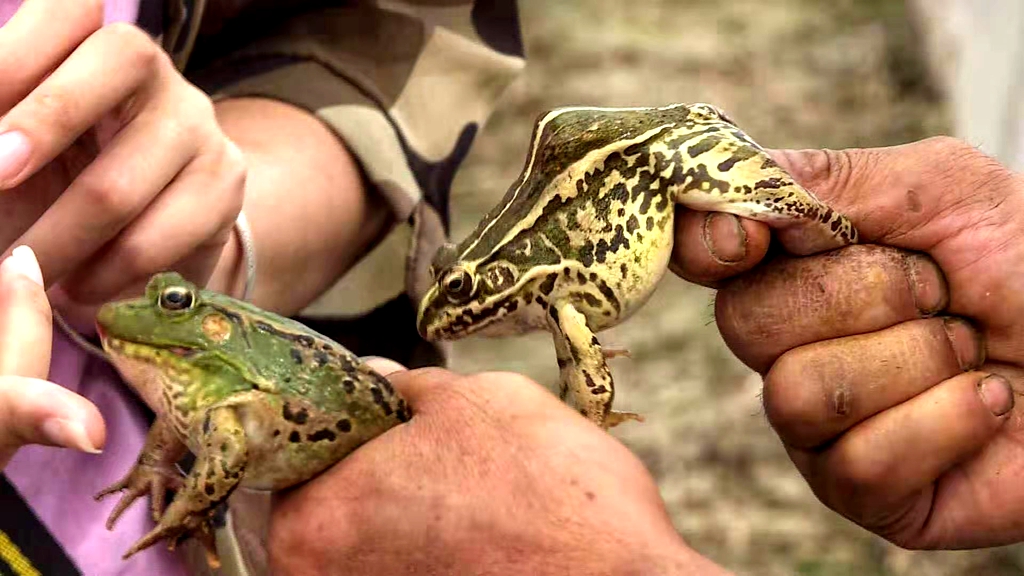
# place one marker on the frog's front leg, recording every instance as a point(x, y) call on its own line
point(218, 470)
point(153, 472)
point(585, 377)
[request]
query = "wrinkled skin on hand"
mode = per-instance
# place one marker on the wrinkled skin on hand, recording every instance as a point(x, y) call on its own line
point(493, 475)
point(877, 357)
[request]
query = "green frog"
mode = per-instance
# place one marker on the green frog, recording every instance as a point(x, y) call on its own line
point(585, 233)
point(261, 401)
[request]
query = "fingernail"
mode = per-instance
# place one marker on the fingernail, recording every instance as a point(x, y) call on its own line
point(69, 434)
point(927, 284)
point(996, 394)
point(23, 261)
point(14, 153)
point(967, 342)
point(382, 366)
point(724, 237)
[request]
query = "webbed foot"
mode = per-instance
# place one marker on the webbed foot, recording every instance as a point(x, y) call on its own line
point(199, 527)
point(155, 479)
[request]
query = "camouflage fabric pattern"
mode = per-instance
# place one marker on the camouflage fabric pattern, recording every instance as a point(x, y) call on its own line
point(405, 84)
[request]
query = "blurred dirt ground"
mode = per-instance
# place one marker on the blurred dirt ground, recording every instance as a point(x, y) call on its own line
point(793, 73)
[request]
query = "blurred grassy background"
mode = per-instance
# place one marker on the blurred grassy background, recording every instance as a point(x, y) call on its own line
point(792, 73)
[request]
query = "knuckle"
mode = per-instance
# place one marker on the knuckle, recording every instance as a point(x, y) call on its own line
point(859, 471)
point(795, 406)
point(135, 46)
point(112, 194)
point(54, 110)
point(134, 259)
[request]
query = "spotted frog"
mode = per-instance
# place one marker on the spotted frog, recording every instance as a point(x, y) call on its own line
point(261, 401)
point(583, 236)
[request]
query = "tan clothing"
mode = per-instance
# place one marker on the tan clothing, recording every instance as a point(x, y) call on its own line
point(405, 84)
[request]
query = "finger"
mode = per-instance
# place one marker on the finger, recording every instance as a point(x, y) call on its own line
point(121, 183)
point(108, 69)
point(881, 469)
point(25, 317)
point(854, 290)
point(816, 392)
point(423, 387)
point(34, 411)
point(196, 211)
point(712, 246)
point(941, 196)
point(40, 35)
point(383, 366)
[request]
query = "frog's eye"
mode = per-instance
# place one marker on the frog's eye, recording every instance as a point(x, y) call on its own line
point(457, 285)
point(176, 298)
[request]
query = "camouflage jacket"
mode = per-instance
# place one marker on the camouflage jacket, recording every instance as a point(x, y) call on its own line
point(405, 84)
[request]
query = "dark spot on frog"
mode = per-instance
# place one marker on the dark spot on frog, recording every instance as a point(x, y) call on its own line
point(589, 379)
point(586, 255)
point(591, 300)
point(206, 424)
point(553, 313)
point(321, 358)
point(349, 385)
point(344, 425)
point(601, 251)
point(277, 433)
point(562, 362)
point(632, 224)
point(548, 284)
point(296, 356)
point(209, 489)
point(581, 277)
point(294, 436)
point(378, 399)
point(542, 302)
point(299, 417)
point(323, 434)
point(913, 201)
point(599, 390)
point(623, 269)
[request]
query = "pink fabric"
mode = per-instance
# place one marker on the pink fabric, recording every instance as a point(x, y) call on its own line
point(59, 484)
point(113, 10)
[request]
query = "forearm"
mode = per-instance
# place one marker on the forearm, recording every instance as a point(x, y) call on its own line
point(311, 214)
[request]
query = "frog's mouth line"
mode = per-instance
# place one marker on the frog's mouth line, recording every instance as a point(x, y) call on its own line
point(466, 324)
point(118, 346)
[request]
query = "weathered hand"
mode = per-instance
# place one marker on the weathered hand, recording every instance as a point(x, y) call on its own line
point(876, 357)
point(33, 410)
point(112, 165)
point(494, 475)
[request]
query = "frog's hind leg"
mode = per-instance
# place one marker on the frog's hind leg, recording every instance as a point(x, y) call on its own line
point(217, 472)
point(725, 171)
point(154, 472)
point(585, 380)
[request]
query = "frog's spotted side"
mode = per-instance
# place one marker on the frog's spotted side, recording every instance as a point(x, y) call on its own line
point(582, 238)
point(260, 400)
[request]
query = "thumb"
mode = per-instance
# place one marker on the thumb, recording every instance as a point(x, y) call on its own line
point(913, 196)
point(34, 411)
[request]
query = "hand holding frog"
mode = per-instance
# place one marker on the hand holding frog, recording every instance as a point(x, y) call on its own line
point(493, 474)
point(33, 410)
point(877, 361)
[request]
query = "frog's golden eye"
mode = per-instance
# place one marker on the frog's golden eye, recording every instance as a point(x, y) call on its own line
point(457, 284)
point(175, 298)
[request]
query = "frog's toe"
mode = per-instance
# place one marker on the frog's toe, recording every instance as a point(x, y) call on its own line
point(610, 353)
point(615, 418)
point(139, 481)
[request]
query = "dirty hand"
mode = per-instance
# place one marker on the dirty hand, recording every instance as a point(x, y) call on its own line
point(33, 410)
point(492, 474)
point(112, 166)
point(890, 368)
